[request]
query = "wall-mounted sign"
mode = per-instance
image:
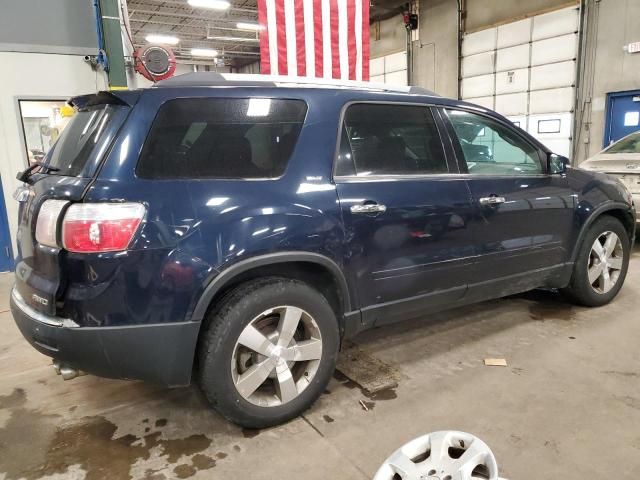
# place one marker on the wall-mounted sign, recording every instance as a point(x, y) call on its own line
point(633, 47)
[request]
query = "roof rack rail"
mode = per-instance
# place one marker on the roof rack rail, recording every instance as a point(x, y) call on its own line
point(215, 79)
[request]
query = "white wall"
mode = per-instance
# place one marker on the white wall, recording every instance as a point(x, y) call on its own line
point(33, 75)
point(392, 39)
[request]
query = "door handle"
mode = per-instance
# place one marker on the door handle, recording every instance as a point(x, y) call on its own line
point(491, 200)
point(368, 208)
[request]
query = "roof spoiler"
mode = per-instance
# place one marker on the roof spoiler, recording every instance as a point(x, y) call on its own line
point(126, 98)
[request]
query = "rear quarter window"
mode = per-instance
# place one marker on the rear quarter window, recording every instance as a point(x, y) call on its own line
point(228, 138)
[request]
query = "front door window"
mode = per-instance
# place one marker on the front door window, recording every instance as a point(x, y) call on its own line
point(489, 148)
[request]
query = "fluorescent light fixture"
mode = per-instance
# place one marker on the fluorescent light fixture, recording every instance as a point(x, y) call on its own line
point(214, 4)
point(162, 39)
point(249, 26)
point(259, 107)
point(204, 52)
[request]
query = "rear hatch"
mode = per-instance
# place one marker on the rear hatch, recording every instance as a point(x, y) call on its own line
point(68, 170)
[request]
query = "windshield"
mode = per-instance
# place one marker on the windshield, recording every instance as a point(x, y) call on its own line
point(82, 136)
point(629, 144)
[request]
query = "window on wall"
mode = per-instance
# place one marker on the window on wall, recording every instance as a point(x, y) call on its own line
point(490, 148)
point(383, 139)
point(42, 123)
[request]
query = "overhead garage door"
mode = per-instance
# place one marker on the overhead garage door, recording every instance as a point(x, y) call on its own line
point(526, 70)
point(390, 69)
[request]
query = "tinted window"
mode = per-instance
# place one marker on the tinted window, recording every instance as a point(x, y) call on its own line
point(389, 140)
point(78, 140)
point(490, 148)
point(222, 138)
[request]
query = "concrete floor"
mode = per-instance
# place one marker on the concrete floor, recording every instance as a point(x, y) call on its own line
point(567, 406)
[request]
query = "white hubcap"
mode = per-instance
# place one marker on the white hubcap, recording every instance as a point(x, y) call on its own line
point(447, 455)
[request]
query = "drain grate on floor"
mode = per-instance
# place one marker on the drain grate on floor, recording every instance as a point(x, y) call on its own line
point(371, 374)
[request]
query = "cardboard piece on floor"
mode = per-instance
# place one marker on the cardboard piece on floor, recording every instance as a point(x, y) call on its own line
point(495, 362)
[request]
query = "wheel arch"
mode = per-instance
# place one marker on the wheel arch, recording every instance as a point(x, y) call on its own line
point(311, 267)
point(618, 210)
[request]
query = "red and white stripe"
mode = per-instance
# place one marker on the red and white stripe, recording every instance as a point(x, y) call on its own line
point(315, 38)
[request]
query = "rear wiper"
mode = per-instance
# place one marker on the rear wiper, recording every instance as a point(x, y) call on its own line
point(26, 173)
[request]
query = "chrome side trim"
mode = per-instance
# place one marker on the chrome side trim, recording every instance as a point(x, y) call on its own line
point(38, 316)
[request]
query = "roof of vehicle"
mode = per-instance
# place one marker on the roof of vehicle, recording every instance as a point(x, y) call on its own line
point(215, 79)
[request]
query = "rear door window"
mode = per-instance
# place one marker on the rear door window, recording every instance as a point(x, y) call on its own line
point(385, 139)
point(222, 138)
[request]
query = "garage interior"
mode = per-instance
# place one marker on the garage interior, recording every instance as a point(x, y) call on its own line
point(567, 403)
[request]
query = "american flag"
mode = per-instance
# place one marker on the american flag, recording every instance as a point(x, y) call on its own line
point(315, 38)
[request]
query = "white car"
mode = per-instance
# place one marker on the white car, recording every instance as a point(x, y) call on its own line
point(621, 159)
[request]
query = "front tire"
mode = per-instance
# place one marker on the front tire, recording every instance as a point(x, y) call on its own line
point(601, 264)
point(269, 351)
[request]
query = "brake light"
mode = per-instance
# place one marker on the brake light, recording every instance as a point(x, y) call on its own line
point(100, 227)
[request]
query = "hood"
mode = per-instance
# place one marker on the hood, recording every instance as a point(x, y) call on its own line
point(627, 163)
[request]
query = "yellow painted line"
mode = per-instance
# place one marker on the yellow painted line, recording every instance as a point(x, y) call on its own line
point(118, 88)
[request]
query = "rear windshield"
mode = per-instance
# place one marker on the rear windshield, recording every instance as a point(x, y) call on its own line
point(222, 138)
point(80, 140)
point(630, 144)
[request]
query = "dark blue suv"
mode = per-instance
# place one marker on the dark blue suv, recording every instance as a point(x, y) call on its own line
point(241, 227)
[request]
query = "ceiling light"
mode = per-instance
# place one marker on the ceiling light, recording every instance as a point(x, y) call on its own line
point(162, 39)
point(215, 4)
point(249, 26)
point(204, 52)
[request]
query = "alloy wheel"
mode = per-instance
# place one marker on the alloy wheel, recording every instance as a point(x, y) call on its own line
point(605, 262)
point(276, 357)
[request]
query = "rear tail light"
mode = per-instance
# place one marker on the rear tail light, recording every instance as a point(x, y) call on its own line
point(47, 224)
point(100, 227)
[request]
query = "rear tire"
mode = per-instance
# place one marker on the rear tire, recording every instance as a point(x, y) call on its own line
point(269, 351)
point(601, 264)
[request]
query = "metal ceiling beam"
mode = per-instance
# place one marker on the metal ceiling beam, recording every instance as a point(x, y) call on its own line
point(222, 51)
point(162, 13)
point(190, 26)
point(202, 38)
point(232, 39)
point(184, 4)
point(192, 33)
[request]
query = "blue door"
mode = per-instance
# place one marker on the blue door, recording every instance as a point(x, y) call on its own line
point(623, 115)
point(524, 216)
point(6, 254)
point(406, 220)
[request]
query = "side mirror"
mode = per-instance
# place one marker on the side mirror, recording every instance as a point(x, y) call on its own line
point(558, 163)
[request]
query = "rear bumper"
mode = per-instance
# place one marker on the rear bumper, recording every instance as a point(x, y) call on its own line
point(159, 353)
